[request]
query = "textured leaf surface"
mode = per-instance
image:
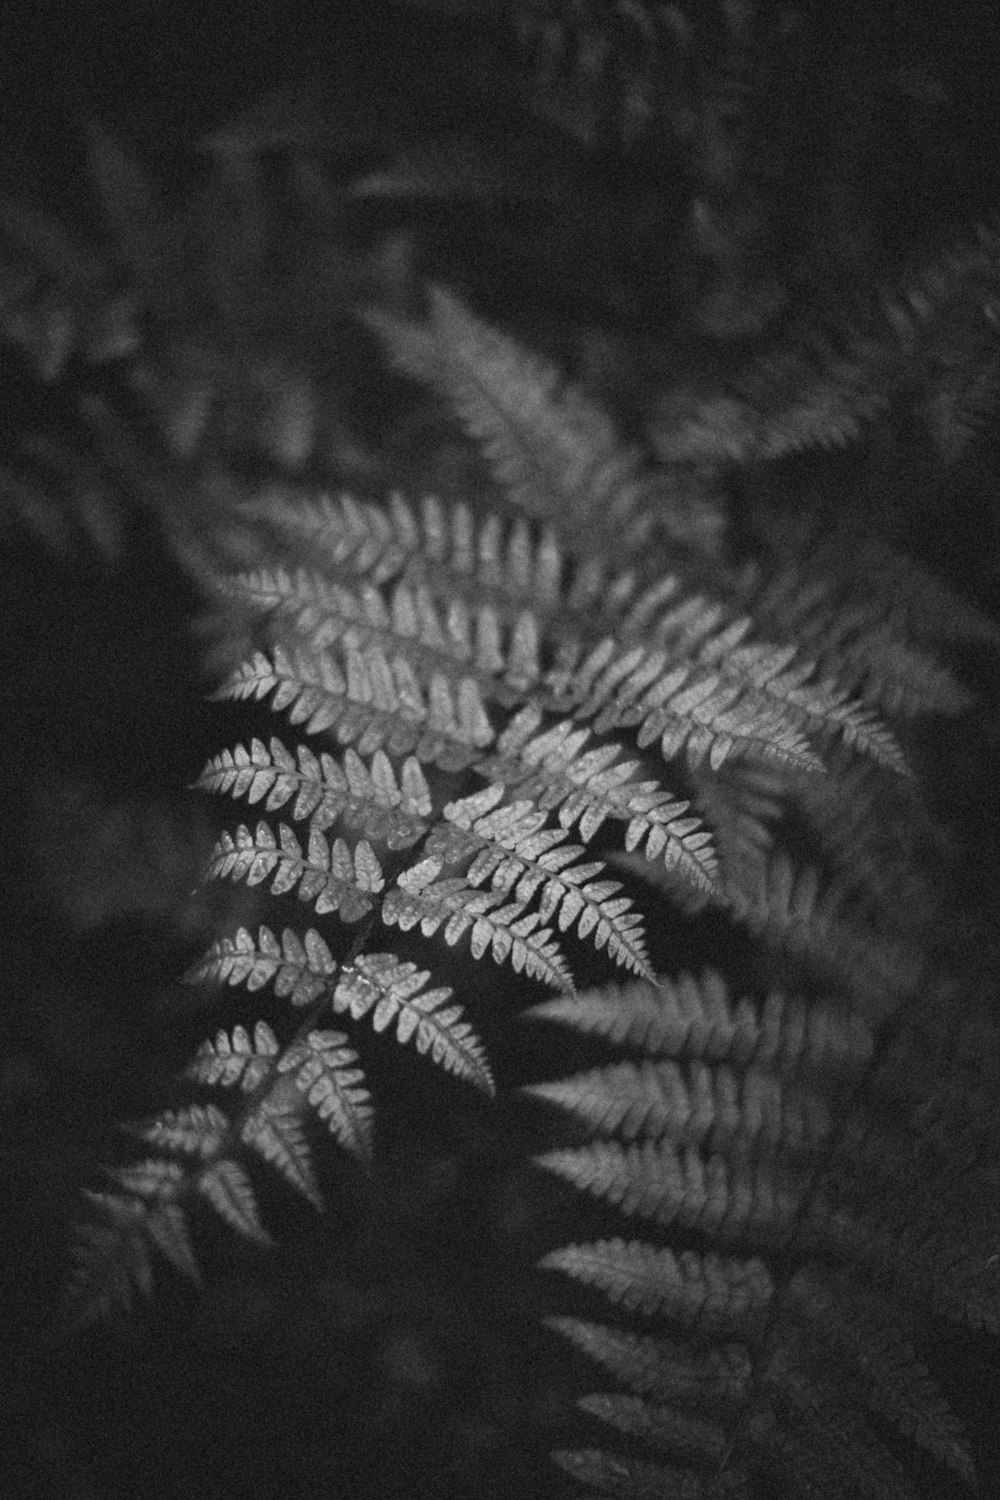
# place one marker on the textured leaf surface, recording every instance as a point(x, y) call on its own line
point(330, 875)
point(373, 702)
point(370, 798)
point(301, 968)
point(505, 930)
point(324, 1069)
point(238, 1059)
point(510, 846)
point(394, 993)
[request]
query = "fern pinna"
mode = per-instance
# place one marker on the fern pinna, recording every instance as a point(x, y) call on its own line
point(498, 741)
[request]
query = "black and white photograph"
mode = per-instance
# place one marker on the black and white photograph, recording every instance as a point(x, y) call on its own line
point(499, 750)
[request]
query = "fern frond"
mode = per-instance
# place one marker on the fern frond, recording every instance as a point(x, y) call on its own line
point(228, 1189)
point(510, 847)
point(805, 918)
point(373, 702)
point(738, 1201)
point(274, 1130)
point(453, 167)
point(63, 511)
point(301, 969)
point(861, 643)
point(394, 994)
point(554, 452)
point(60, 296)
point(818, 388)
point(375, 669)
point(697, 1017)
point(743, 804)
point(713, 1294)
point(149, 1209)
point(456, 643)
point(449, 549)
point(111, 1255)
point(480, 693)
point(751, 1113)
point(605, 75)
point(820, 1440)
point(373, 798)
point(112, 1260)
point(199, 1130)
point(677, 1434)
point(587, 788)
point(944, 320)
point(510, 933)
point(331, 876)
point(322, 1067)
point(966, 392)
point(681, 705)
point(242, 1059)
point(786, 674)
point(833, 587)
point(876, 833)
point(815, 390)
point(707, 1378)
point(864, 1329)
point(612, 1475)
point(921, 1228)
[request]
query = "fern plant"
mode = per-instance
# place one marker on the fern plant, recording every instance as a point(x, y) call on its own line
point(489, 726)
point(602, 702)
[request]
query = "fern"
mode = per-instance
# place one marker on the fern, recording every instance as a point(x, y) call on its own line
point(456, 748)
point(584, 697)
point(712, 1133)
point(428, 695)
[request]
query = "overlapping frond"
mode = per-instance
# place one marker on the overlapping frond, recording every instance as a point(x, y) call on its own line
point(873, 623)
point(332, 876)
point(834, 938)
point(815, 390)
point(554, 451)
point(766, 1327)
point(370, 798)
point(934, 340)
point(452, 549)
point(874, 1337)
point(587, 788)
point(371, 701)
point(300, 968)
point(395, 994)
point(510, 846)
